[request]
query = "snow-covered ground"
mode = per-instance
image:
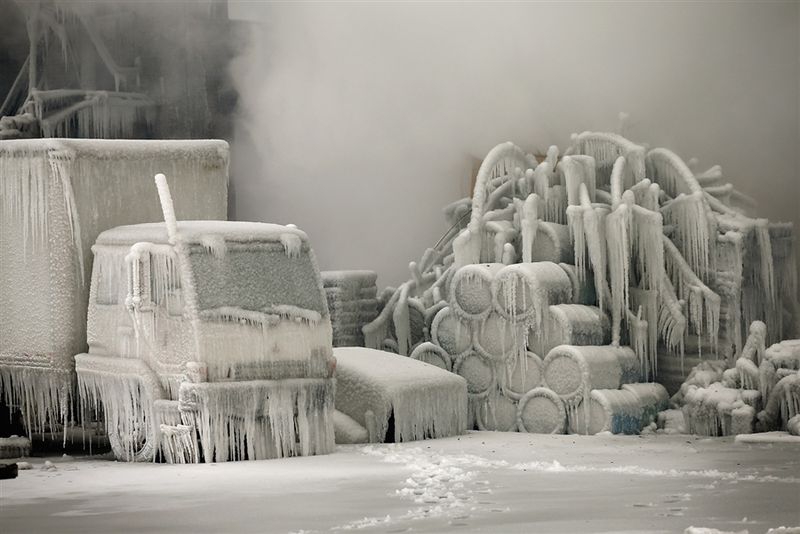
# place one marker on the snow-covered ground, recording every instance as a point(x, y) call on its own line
point(480, 482)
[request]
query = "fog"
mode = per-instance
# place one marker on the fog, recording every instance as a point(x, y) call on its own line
point(358, 122)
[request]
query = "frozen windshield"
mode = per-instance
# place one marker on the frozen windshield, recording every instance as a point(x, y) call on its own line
point(255, 277)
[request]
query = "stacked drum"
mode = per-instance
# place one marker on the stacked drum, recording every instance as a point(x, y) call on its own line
point(489, 330)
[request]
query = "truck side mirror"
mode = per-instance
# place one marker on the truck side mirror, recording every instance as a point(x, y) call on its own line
point(139, 298)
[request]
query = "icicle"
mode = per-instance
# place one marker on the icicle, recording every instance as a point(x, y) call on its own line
point(703, 303)
point(693, 231)
point(509, 255)
point(578, 239)
point(127, 406)
point(261, 419)
point(605, 148)
point(401, 319)
point(765, 256)
point(44, 396)
point(215, 245)
point(647, 247)
point(529, 222)
point(573, 178)
point(671, 321)
point(552, 156)
point(617, 224)
point(617, 181)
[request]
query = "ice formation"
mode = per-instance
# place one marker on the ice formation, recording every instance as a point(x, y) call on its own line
point(56, 196)
point(398, 399)
point(208, 340)
point(575, 275)
point(760, 393)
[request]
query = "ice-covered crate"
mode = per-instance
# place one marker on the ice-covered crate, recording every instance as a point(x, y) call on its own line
point(349, 280)
point(397, 398)
point(56, 196)
point(352, 303)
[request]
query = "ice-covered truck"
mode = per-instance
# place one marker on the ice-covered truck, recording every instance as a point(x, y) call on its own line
point(214, 332)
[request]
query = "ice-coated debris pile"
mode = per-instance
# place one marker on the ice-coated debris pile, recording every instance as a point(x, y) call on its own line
point(760, 393)
point(571, 283)
point(56, 196)
point(352, 303)
point(398, 399)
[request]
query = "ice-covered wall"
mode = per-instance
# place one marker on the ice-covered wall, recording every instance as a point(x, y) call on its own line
point(362, 120)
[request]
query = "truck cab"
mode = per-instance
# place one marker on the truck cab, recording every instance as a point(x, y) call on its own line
point(213, 341)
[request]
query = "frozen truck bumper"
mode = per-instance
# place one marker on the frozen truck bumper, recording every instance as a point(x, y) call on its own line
point(260, 419)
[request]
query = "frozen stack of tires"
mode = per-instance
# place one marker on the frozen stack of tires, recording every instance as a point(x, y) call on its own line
point(352, 303)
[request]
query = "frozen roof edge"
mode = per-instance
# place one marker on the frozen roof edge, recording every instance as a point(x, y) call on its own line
point(195, 231)
point(102, 148)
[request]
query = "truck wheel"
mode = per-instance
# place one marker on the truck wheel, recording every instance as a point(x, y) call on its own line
point(136, 448)
point(141, 444)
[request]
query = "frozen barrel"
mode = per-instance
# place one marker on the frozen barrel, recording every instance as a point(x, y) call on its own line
point(541, 411)
point(525, 375)
point(653, 397)
point(451, 333)
point(471, 290)
point(497, 413)
point(573, 371)
point(429, 353)
point(572, 324)
point(496, 337)
point(523, 291)
point(618, 411)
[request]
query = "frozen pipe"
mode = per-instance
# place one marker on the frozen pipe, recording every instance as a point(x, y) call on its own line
point(617, 179)
point(541, 411)
point(529, 221)
point(509, 255)
point(573, 177)
point(470, 243)
point(187, 276)
point(605, 148)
